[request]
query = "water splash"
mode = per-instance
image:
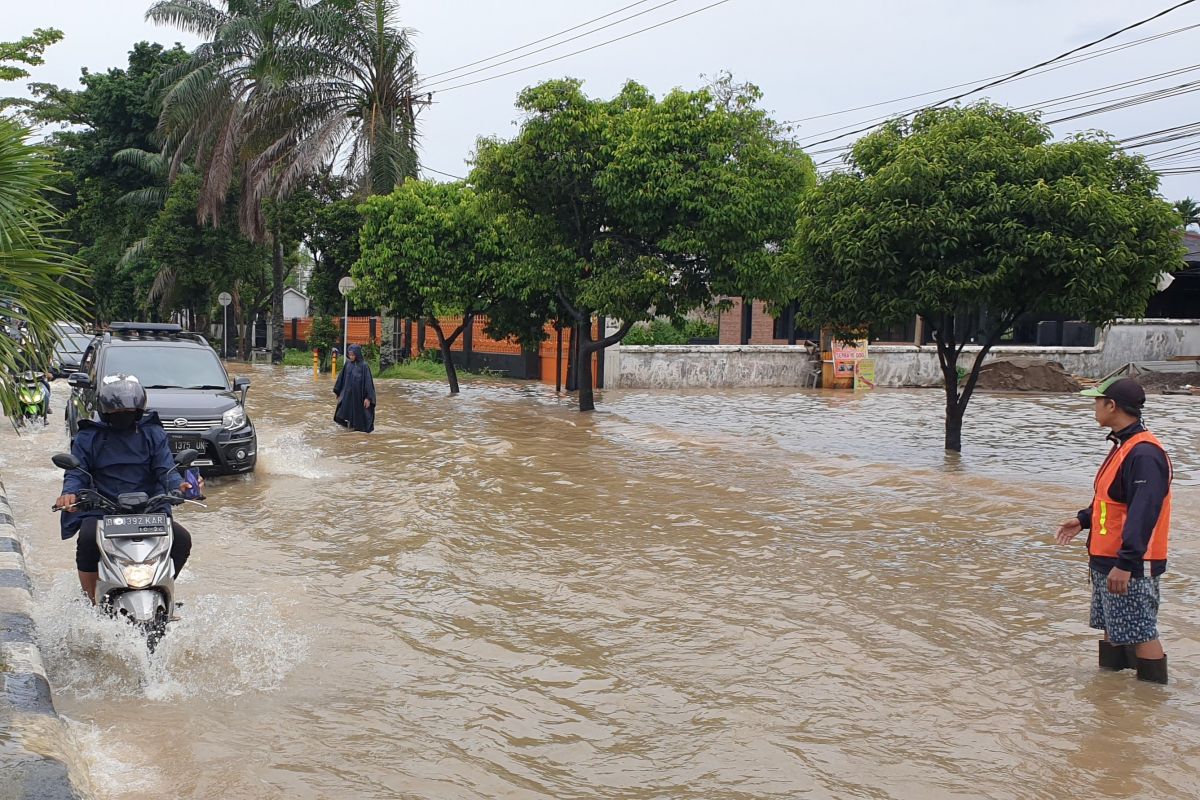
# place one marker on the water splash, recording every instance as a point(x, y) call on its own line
point(223, 645)
point(290, 453)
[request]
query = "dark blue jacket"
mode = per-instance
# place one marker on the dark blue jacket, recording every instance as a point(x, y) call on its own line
point(138, 460)
point(1142, 484)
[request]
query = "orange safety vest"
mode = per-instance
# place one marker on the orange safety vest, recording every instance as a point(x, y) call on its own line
point(1108, 516)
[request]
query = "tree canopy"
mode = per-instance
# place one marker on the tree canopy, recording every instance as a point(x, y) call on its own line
point(434, 249)
point(637, 206)
point(975, 209)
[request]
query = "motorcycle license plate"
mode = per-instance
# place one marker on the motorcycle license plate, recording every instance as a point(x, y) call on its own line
point(122, 526)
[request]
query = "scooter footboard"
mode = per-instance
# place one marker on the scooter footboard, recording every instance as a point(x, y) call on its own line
point(144, 606)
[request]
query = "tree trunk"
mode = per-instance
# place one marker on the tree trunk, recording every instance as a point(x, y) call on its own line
point(956, 401)
point(445, 343)
point(277, 277)
point(588, 348)
point(583, 367)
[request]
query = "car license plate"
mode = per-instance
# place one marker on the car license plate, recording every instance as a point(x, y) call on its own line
point(179, 445)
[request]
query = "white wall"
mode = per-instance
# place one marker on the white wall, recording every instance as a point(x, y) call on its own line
point(716, 366)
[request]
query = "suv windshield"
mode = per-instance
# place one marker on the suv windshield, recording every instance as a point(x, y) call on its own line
point(160, 367)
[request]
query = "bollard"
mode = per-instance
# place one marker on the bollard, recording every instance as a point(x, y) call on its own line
point(316, 364)
point(335, 363)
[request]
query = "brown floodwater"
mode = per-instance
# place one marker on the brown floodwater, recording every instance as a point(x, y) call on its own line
point(717, 594)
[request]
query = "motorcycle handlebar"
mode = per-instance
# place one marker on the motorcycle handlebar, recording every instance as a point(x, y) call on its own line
point(92, 501)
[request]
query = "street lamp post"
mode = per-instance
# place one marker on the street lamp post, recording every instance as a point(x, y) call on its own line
point(224, 298)
point(345, 286)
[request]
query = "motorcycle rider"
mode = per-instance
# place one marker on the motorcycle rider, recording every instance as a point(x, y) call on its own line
point(127, 451)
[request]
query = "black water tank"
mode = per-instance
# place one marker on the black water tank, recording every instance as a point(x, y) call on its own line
point(1049, 333)
point(1078, 334)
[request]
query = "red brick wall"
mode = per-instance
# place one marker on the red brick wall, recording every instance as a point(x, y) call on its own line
point(762, 325)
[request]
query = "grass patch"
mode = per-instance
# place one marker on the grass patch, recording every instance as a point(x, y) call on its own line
point(297, 358)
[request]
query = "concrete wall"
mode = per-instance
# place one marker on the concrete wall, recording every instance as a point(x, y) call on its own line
point(1117, 345)
point(33, 754)
point(700, 366)
point(688, 366)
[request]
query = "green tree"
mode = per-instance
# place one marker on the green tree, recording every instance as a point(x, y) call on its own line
point(28, 51)
point(967, 210)
point(430, 250)
point(115, 112)
point(636, 206)
point(36, 273)
point(281, 88)
point(1189, 210)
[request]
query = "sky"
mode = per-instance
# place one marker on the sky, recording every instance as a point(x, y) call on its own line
point(810, 57)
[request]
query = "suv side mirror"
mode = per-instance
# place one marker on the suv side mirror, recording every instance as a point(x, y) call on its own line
point(80, 380)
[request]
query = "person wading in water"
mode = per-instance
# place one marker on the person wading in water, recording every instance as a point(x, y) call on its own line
point(1129, 521)
point(355, 390)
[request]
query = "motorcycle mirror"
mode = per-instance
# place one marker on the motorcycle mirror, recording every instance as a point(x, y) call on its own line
point(184, 458)
point(132, 499)
point(241, 383)
point(65, 461)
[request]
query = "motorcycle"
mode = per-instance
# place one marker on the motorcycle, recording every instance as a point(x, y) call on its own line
point(33, 398)
point(137, 578)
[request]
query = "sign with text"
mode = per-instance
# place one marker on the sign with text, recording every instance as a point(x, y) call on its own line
point(846, 355)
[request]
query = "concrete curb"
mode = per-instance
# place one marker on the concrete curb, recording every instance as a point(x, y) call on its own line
point(32, 736)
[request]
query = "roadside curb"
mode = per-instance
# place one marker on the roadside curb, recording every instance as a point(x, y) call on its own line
point(32, 737)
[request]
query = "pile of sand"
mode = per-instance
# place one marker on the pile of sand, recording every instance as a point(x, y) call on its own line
point(1026, 375)
point(1163, 381)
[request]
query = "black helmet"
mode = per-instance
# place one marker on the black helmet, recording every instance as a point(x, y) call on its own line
point(121, 393)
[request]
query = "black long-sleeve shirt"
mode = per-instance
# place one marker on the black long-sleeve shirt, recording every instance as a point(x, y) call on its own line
point(1141, 484)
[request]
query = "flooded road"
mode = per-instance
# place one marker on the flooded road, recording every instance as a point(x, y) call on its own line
point(700, 595)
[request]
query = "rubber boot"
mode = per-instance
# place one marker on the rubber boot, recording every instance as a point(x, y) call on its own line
point(1153, 670)
point(1113, 656)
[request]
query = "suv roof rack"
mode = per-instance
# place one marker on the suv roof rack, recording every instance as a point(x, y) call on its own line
point(145, 327)
point(151, 330)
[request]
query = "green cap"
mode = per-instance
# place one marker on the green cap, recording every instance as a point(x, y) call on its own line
point(1124, 391)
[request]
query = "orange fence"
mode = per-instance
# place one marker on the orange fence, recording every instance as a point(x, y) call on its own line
point(365, 329)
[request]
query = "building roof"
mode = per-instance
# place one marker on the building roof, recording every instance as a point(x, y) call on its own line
point(1192, 242)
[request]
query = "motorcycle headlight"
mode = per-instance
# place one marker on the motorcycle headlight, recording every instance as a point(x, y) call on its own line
point(234, 418)
point(138, 575)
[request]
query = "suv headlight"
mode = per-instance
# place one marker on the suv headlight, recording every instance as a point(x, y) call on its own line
point(234, 418)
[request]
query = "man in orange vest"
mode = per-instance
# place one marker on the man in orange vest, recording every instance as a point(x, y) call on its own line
point(1129, 521)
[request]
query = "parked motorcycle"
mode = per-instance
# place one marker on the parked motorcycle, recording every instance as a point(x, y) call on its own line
point(137, 578)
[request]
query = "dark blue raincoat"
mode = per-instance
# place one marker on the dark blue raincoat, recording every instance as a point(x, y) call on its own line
point(137, 460)
point(355, 384)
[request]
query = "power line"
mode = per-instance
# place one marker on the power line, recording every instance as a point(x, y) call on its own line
point(1066, 63)
point(427, 84)
point(446, 174)
point(1019, 73)
point(586, 49)
point(537, 41)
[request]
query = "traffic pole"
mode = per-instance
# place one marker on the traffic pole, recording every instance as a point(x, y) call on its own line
point(225, 331)
point(346, 326)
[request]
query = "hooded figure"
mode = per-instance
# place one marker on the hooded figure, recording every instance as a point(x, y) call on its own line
point(355, 390)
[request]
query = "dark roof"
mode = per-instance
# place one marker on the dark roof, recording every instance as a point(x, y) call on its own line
point(1192, 242)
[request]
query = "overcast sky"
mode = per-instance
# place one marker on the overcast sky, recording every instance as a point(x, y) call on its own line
point(810, 57)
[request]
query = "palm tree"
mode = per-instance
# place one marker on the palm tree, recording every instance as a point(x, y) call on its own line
point(35, 270)
point(281, 89)
point(1189, 209)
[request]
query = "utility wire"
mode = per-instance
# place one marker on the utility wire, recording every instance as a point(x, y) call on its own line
point(537, 41)
point(991, 84)
point(586, 49)
point(427, 84)
point(1066, 63)
point(446, 174)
